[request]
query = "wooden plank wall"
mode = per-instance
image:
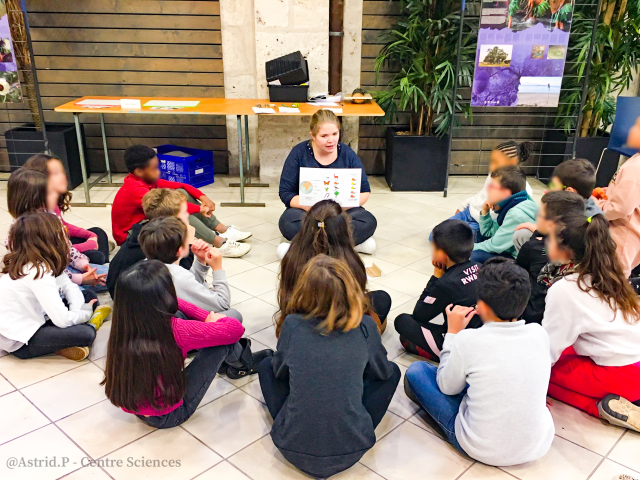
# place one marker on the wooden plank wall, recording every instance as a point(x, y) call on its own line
point(129, 48)
point(472, 144)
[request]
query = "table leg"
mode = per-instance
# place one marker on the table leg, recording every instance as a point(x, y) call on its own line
point(248, 183)
point(106, 149)
point(242, 203)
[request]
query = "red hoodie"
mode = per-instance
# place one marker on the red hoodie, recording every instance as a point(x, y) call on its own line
point(127, 205)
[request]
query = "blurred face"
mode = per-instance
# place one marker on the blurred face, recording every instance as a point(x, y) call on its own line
point(484, 311)
point(438, 255)
point(57, 176)
point(543, 224)
point(151, 173)
point(183, 252)
point(555, 184)
point(52, 196)
point(499, 159)
point(183, 214)
point(496, 192)
point(327, 138)
point(554, 251)
point(633, 139)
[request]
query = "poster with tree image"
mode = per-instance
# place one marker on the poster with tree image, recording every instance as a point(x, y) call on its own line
point(10, 91)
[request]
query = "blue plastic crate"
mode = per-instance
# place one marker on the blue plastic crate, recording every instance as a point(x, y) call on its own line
point(195, 170)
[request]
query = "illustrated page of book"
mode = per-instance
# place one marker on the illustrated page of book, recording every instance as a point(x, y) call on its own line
point(339, 184)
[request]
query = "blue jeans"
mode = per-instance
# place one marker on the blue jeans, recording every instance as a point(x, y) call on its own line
point(442, 408)
point(466, 217)
point(100, 270)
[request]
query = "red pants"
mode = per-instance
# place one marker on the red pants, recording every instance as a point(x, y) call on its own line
point(580, 382)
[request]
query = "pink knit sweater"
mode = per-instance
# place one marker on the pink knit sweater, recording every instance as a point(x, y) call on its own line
point(194, 334)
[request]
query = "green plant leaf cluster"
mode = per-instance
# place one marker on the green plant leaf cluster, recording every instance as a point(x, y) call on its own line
point(423, 46)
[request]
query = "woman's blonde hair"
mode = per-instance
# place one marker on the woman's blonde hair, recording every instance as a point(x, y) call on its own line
point(320, 117)
point(328, 290)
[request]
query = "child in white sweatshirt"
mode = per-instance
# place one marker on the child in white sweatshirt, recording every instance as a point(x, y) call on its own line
point(489, 393)
point(166, 239)
point(34, 319)
point(591, 317)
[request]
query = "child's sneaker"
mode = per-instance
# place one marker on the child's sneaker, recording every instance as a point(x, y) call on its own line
point(409, 392)
point(368, 246)
point(74, 353)
point(248, 362)
point(231, 249)
point(619, 411)
point(234, 234)
point(99, 316)
point(112, 246)
point(282, 250)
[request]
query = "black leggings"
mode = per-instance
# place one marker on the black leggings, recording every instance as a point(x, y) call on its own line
point(381, 303)
point(198, 377)
point(363, 223)
point(411, 333)
point(101, 255)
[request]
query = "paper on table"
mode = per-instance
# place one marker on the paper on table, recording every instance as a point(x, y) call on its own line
point(322, 103)
point(334, 110)
point(98, 101)
point(172, 103)
point(339, 184)
point(263, 110)
point(288, 110)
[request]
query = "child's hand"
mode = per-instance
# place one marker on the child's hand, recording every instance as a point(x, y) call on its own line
point(90, 277)
point(600, 193)
point(91, 302)
point(527, 225)
point(486, 206)
point(438, 269)
point(458, 317)
point(214, 317)
point(214, 258)
point(199, 249)
point(205, 210)
point(204, 200)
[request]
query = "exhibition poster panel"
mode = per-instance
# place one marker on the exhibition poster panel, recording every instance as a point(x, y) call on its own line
point(10, 91)
point(522, 47)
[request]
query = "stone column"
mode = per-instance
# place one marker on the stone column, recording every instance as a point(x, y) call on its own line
point(351, 65)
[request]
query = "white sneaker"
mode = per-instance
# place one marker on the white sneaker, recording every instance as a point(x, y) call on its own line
point(282, 250)
point(231, 249)
point(234, 234)
point(368, 246)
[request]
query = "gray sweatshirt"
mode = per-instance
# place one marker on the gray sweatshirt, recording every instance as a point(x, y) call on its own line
point(503, 419)
point(191, 286)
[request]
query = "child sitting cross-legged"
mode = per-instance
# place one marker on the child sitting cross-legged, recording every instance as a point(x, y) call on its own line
point(592, 317)
point(144, 175)
point(157, 203)
point(329, 383)
point(34, 318)
point(507, 196)
point(453, 281)
point(533, 254)
point(489, 393)
point(145, 373)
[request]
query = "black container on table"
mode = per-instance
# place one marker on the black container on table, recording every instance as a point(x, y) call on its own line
point(288, 93)
point(291, 69)
point(416, 162)
point(589, 148)
point(25, 141)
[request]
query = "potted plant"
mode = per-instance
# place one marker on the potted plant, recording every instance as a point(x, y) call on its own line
point(422, 47)
point(616, 57)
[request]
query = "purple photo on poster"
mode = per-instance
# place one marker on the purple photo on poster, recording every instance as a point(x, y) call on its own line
point(522, 46)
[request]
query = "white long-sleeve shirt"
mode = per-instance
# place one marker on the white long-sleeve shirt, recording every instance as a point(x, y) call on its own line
point(576, 318)
point(26, 301)
point(503, 419)
point(191, 286)
point(475, 203)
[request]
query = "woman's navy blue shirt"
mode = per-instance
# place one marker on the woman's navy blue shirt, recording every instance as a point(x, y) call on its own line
point(302, 156)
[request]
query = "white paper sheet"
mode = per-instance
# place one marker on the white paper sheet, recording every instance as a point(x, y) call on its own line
point(334, 110)
point(339, 184)
point(322, 103)
point(288, 109)
point(172, 103)
point(99, 101)
point(263, 110)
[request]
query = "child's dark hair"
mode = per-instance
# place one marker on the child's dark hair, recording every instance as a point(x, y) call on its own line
point(40, 163)
point(138, 156)
point(144, 362)
point(161, 238)
point(511, 177)
point(519, 151)
point(325, 230)
point(560, 203)
point(36, 239)
point(455, 238)
point(594, 251)
point(26, 192)
point(578, 174)
point(505, 287)
point(327, 290)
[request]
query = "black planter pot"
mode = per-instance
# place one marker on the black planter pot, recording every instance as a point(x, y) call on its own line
point(25, 141)
point(416, 162)
point(589, 148)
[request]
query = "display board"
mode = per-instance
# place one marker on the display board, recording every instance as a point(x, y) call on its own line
point(10, 91)
point(522, 47)
point(339, 184)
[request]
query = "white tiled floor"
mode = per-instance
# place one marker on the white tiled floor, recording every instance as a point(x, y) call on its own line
point(54, 407)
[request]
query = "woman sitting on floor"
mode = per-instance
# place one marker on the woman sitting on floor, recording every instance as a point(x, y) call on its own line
point(323, 150)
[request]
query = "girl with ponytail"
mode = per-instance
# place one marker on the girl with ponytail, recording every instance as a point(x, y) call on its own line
point(592, 318)
point(326, 230)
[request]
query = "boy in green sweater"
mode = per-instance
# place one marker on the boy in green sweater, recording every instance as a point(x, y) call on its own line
point(507, 196)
